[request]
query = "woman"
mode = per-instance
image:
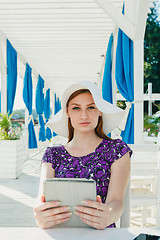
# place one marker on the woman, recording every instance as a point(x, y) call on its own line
point(89, 153)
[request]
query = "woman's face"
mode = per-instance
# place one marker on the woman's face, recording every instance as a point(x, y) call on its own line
point(83, 113)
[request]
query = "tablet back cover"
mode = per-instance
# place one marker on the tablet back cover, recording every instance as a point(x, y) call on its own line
point(70, 192)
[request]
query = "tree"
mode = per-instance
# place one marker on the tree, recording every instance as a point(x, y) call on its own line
point(152, 54)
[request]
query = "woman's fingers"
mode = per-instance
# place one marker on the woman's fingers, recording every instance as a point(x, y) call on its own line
point(50, 224)
point(86, 216)
point(90, 223)
point(99, 199)
point(94, 214)
point(46, 205)
point(88, 210)
point(93, 204)
point(55, 212)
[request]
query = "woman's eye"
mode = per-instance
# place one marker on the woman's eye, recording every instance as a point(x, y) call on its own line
point(76, 108)
point(91, 107)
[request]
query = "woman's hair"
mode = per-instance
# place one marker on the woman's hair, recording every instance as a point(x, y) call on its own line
point(98, 129)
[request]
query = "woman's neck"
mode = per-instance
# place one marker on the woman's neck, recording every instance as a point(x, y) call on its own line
point(84, 140)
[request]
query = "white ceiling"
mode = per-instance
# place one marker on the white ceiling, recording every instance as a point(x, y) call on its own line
point(63, 40)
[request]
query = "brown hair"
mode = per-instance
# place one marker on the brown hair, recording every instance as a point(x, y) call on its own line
point(98, 129)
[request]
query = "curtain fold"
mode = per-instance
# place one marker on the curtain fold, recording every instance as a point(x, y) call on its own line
point(47, 113)
point(11, 76)
point(107, 75)
point(27, 97)
point(125, 80)
point(57, 108)
point(39, 104)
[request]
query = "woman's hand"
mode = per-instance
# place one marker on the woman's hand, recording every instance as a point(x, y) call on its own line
point(49, 214)
point(95, 214)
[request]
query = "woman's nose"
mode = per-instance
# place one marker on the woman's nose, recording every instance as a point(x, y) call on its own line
point(84, 114)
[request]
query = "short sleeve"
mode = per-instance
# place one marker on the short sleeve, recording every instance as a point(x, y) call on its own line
point(49, 156)
point(120, 148)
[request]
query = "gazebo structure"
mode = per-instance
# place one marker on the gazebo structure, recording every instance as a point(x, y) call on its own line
point(65, 41)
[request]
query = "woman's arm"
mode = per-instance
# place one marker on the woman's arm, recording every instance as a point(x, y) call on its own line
point(46, 172)
point(102, 215)
point(120, 172)
point(49, 214)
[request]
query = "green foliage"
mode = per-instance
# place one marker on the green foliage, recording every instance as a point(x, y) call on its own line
point(151, 125)
point(9, 131)
point(121, 104)
point(152, 52)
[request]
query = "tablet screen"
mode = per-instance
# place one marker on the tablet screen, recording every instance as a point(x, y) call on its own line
point(144, 236)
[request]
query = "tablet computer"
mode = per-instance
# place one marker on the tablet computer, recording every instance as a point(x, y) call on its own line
point(71, 192)
point(144, 236)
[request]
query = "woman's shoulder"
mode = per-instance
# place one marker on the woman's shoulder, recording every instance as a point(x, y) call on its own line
point(54, 149)
point(117, 146)
point(114, 142)
point(52, 153)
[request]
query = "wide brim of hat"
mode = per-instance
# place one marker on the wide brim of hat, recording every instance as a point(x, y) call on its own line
point(59, 122)
point(112, 115)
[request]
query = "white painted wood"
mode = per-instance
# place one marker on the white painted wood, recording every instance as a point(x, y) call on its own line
point(140, 18)
point(145, 178)
point(119, 19)
point(114, 87)
point(3, 73)
point(138, 91)
point(150, 97)
point(11, 158)
point(129, 10)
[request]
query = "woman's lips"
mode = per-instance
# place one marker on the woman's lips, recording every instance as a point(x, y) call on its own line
point(84, 123)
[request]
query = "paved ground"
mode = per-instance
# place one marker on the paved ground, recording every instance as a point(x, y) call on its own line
point(17, 196)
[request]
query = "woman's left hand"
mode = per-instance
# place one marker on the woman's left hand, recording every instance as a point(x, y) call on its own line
point(95, 214)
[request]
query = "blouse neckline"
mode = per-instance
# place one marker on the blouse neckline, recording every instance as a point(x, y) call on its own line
point(83, 155)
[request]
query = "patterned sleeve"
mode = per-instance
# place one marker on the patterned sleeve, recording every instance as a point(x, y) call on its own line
point(49, 157)
point(120, 148)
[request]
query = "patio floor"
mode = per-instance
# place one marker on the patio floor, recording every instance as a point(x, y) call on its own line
point(17, 197)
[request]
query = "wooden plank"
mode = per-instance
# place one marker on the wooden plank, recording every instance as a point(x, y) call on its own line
point(118, 18)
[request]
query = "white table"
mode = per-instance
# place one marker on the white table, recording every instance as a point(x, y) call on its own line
point(73, 233)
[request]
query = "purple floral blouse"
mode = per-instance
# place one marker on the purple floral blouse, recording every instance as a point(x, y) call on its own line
point(96, 165)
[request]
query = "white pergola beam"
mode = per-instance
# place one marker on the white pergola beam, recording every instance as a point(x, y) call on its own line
point(140, 18)
point(119, 19)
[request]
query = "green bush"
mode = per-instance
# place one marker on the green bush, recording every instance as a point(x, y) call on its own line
point(151, 125)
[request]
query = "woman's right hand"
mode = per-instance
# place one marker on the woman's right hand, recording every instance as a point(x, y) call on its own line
point(49, 214)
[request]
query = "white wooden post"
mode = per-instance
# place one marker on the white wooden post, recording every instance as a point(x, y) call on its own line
point(149, 99)
point(3, 71)
point(26, 134)
point(138, 92)
point(141, 9)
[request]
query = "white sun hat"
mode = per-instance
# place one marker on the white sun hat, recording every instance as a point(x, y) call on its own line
point(112, 115)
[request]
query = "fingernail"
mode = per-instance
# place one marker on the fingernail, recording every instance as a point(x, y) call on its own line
point(58, 203)
point(42, 198)
point(85, 202)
